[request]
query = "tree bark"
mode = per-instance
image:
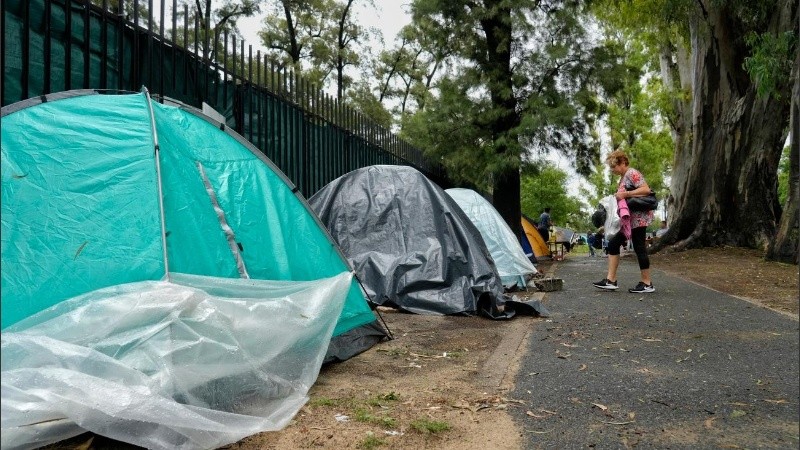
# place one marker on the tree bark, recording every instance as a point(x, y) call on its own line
point(497, 66)
point(677, 79)
point(724, 184)
point(786, 245)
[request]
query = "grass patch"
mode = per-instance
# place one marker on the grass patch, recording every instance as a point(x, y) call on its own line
point(363, 415)
point(371, 441)
point(380, 400)
point(323, 401)
point(425, 425)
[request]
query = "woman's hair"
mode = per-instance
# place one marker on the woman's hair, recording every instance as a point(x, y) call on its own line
point(616, 158)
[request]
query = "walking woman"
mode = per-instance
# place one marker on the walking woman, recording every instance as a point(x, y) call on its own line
point(631, 184)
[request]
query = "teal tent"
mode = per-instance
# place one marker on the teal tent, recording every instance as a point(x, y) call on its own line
point(87, 203)
point(100, 190)
point(163, 283)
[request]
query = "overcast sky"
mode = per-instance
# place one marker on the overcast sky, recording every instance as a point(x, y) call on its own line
point(388, 15)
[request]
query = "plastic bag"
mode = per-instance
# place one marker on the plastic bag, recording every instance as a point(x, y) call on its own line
point(612, 224)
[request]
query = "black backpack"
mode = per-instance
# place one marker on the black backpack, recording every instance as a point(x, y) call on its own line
point(599, 216)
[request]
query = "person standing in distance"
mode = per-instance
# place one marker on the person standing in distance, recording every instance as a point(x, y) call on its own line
point(618, 163)
point(544, 224)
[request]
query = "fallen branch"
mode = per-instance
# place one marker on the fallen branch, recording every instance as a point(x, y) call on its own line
point(618, 423)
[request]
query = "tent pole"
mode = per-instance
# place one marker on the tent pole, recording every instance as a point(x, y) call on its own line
point(157, 151)
point(391, 336)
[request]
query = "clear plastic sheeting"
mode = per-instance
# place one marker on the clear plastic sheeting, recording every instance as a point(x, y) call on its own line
point(195, 363)
point(512, 263)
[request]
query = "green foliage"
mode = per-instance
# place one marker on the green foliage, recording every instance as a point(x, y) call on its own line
point(323, 401)
point(362, 99)
point(319, 38)
point(546, 186)
point(218, 20)
point(291, 28)
point(490, 113)
point(783, 176)
point(381, 400)
point(449, 131)
point(371, 441)
point(404, 74)
point(364, 415)
point(770, 62)
point(653, 23)
point(425, 425)
point(635, 119)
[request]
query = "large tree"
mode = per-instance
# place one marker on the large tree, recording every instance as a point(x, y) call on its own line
point(728, 64)
point(318, 38)
point(214, 23)
point(786, 245)
point(724, 185)
point(516, 85)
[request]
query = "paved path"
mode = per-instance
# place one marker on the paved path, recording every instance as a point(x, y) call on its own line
point(684, 367)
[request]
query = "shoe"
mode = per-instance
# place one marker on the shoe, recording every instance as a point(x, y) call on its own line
point(606, 284)
point(642, 288)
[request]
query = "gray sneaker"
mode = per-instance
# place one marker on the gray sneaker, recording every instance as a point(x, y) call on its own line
point(642, 288)
point(606, 284)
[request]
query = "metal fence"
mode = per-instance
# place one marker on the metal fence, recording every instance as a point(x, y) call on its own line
point(56, 45)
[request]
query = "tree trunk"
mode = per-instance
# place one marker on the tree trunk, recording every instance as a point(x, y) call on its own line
point(786, 246)
point(724, 184)
point(677, 79)
point(505, 202)
point(505, 118)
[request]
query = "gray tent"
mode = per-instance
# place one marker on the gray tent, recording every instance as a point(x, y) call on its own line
point(411, 244)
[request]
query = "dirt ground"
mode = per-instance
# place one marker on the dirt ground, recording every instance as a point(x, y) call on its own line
point(439, 385)
point(443, 382)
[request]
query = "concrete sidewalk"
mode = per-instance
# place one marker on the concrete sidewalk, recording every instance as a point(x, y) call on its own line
point(684, 367)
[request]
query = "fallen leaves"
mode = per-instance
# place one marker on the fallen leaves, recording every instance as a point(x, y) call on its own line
point(603, 408)
point(547, 413)
point(498, 403)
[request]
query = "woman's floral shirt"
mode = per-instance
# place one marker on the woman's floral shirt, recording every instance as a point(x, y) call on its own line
point(634, 178)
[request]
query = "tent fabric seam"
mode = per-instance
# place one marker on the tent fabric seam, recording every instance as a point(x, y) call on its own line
point(223, 223)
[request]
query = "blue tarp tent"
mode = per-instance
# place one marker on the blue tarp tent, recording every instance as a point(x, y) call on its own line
point(512, 264)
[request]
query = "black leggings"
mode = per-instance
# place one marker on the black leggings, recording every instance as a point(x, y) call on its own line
point(638, 236)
